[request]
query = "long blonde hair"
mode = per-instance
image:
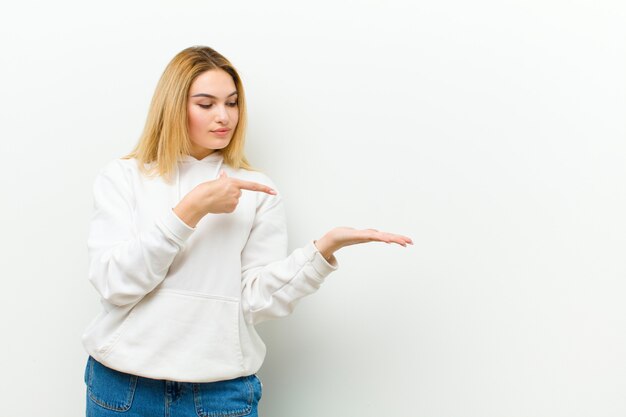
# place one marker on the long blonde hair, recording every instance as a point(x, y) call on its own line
point(165, 136)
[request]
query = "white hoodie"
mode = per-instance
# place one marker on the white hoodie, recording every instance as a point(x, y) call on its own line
point(180, 303)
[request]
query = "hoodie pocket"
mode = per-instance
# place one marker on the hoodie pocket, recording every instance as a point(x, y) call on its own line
point(176, 334)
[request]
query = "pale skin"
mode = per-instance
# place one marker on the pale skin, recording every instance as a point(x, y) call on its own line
point(211, 107)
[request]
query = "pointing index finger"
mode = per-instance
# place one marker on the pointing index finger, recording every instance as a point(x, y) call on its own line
point(253, 186)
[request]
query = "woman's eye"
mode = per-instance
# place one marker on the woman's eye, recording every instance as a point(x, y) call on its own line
point(208, 106)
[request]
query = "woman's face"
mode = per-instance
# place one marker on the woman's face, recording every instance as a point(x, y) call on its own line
point(212, 112)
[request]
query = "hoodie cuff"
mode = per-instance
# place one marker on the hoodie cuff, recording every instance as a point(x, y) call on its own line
point(317, 260)
point(174, 228)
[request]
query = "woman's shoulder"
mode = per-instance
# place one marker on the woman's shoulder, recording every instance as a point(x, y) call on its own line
point(129, 166)
point(120, 171)
point(117, 166)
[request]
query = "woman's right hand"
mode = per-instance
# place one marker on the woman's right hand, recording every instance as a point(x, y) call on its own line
point(216, 196)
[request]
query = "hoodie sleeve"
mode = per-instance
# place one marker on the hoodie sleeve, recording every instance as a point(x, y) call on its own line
point(125, 264)
point(273, 283)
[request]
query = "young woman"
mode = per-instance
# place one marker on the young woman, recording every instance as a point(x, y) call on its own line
point(188, 251)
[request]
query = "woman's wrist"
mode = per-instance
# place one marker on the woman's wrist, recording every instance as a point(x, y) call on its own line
point(188, 213)
point(325, 246)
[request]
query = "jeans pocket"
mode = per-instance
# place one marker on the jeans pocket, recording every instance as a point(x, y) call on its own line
point(231, 398)
point(259, 388)
point(109, 388)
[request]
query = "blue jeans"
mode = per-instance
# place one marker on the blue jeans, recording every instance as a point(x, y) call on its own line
point(113, 393)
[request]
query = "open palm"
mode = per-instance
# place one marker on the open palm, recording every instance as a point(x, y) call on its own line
point(340, 237)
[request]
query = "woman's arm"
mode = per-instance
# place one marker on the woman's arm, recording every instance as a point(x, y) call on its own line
point(125, 264)
point(272, 282)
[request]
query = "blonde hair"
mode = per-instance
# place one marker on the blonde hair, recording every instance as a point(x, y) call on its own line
point(165, 136)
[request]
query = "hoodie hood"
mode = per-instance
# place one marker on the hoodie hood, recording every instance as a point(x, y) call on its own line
point(211, 163)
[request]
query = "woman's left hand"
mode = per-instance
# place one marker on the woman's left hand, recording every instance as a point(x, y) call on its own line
point(339, 237)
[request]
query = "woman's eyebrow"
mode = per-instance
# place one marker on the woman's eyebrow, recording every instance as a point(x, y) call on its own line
point(210, 96)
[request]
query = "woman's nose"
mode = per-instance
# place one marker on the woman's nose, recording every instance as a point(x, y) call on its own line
point(222, 114)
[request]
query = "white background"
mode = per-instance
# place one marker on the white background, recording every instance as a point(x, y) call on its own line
point(491, 132)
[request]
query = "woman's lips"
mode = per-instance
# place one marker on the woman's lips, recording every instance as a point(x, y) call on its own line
point(220, 132)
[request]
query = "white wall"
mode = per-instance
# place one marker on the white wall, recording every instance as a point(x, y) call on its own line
point(492, 132)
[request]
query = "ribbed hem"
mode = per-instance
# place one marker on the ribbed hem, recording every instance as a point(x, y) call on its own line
point(175, 228)
point(321, 265)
